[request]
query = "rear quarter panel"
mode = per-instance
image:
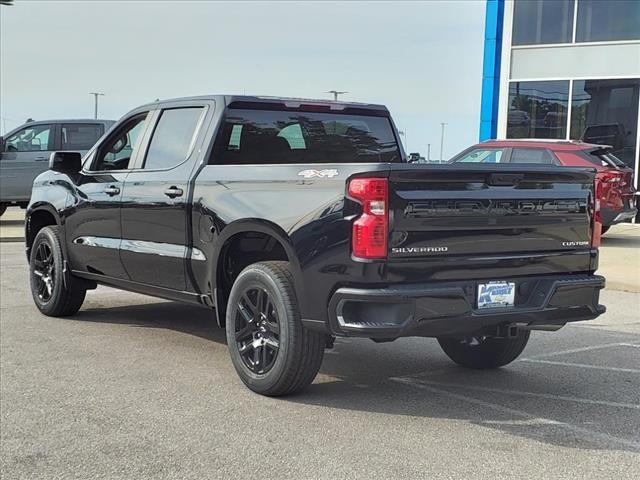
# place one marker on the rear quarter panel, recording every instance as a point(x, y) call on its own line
point(307, 215)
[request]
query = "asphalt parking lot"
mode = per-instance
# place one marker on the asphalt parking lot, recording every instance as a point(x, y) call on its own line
point(135, 387)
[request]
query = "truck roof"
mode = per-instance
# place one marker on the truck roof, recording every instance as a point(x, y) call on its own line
point(553, 144)
point(71, 120)
point(285, 101)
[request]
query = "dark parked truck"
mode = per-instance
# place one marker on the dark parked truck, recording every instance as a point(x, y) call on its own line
point(297, 221)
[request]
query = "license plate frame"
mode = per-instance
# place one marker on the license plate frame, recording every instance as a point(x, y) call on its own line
point(496, 294)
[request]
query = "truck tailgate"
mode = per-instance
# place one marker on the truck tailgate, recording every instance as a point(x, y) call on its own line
point(467, 210)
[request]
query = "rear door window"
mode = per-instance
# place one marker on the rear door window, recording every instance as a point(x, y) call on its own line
point(482, 155)
point(172, 138)
point(532, 155)
point(80, 136)
point(289, 137)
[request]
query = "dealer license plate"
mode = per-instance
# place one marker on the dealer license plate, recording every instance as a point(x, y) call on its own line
point(496, 294)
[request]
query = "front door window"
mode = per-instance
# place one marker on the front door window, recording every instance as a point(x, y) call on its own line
point(34, 138)
point(116, 153)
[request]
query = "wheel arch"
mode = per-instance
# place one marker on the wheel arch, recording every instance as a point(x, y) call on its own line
point(255, 241)
point(37, 217)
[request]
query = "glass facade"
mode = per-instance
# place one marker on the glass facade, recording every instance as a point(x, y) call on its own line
point(608, 20)
point(542, 21)
point(569, 71)
point(606, 111)
point(539, 22)
point(538, 109)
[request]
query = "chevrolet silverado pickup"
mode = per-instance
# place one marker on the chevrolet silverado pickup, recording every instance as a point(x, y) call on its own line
point(297, 221)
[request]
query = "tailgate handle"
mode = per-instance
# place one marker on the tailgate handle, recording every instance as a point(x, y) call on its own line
point(510, 179)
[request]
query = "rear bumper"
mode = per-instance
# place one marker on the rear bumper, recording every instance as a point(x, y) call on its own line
point(433, 310)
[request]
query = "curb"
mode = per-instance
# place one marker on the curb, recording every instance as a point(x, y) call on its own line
point(11, 239)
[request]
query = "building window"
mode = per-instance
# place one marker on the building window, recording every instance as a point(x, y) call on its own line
point(608, 20)
point(538, 109)
point(542, 21)
point(606, 112)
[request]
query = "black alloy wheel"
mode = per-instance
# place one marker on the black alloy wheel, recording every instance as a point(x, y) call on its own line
point(54, 294)
point(257, 330)
point(271, 350)
point(44, 272)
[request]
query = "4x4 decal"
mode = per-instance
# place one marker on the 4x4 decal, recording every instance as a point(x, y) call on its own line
point(319, 173)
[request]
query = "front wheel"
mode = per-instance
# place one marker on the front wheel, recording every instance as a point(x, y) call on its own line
point(3, 208)
point(271, 351)
point(52, 295)
point(605, 229)
point(484, 352)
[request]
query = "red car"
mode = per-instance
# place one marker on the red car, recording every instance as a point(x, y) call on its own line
point(614, 180)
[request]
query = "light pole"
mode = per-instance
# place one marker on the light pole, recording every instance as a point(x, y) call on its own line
point(442, 124)
point(95, 105)
point(428, 151)
point(335, 94)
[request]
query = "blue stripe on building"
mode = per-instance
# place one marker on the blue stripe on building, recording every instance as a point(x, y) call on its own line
point(491, 69)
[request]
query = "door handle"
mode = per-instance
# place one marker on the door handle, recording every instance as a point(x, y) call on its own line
point(40, 159)
point(173, 192)
point(111, 190)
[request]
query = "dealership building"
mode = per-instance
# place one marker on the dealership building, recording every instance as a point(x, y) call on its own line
point(564, 69)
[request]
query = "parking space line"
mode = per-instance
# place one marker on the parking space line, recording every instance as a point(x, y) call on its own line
point(549, 396)
point(581, 365)
point(573, 350)
point(533, 419)
point(630, 345)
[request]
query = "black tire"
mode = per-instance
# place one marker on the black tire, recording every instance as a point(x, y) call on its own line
point(50, 293)
point(605, 229)
point(263, 311)
point(3, 208)
point(485, 353)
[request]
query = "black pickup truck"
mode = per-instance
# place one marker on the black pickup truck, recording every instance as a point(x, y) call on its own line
point(297, 221)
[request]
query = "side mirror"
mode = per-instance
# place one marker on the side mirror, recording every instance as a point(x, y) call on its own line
point(65, 162)
point(414, 157)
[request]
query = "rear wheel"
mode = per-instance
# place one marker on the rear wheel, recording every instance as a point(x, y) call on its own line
point(270, 349)
point(52, 295)
point(484, 352)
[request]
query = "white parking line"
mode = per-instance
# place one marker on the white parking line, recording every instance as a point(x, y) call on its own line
point(608, 439)
point(581, 365)
point(549, 396)
point(574, 350)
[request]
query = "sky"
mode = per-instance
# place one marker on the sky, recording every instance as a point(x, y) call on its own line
point(421, 59)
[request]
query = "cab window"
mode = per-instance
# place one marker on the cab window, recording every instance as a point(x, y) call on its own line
point(532, 155)
point(265, 137)
point(34, 138)
point(80, 136)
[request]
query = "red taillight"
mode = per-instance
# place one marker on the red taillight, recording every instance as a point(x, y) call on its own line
point(596, 231)
point(612, 178)
point(371, 229)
